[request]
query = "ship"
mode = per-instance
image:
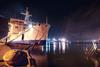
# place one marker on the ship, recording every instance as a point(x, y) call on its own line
point(26, 31)
point(21, 38)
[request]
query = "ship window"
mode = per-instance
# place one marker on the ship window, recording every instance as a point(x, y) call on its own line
point(24, 27)
point(46, 25)
point(16, 26)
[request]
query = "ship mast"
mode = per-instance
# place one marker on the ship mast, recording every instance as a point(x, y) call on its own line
point(27, 16)
point(46, 20)
point(26, 20)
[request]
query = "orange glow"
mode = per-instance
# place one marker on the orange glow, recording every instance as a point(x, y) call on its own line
point(9, 55)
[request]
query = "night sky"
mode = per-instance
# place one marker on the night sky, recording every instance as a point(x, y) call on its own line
point(73, 19)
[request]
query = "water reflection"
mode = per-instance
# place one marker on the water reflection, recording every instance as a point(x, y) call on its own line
point(69, 54)
point(56, 46)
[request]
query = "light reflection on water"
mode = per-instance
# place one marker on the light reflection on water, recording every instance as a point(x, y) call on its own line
point(56, 46)
point(61, 54)
point(64, 46)
point(67, 54)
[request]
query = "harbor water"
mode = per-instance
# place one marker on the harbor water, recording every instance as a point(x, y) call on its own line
point(68, 54)
point(61, 54)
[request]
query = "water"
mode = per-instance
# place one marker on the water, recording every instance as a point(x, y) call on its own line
point(63, 47)
point(67, 54)
point(62, 54)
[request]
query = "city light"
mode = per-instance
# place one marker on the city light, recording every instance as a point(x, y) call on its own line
point(63, 39)
point(54, 39)
point(59, 39)
point(93, 40)
point(61, 43)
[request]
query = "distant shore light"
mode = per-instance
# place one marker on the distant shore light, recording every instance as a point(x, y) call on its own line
point(63, 39)
point(93, 40)
point(54, 39)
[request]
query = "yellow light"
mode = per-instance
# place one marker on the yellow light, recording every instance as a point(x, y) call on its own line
point(9, 55)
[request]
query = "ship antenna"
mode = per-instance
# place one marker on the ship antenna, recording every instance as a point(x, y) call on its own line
point(46, 20)
point(27, 16)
